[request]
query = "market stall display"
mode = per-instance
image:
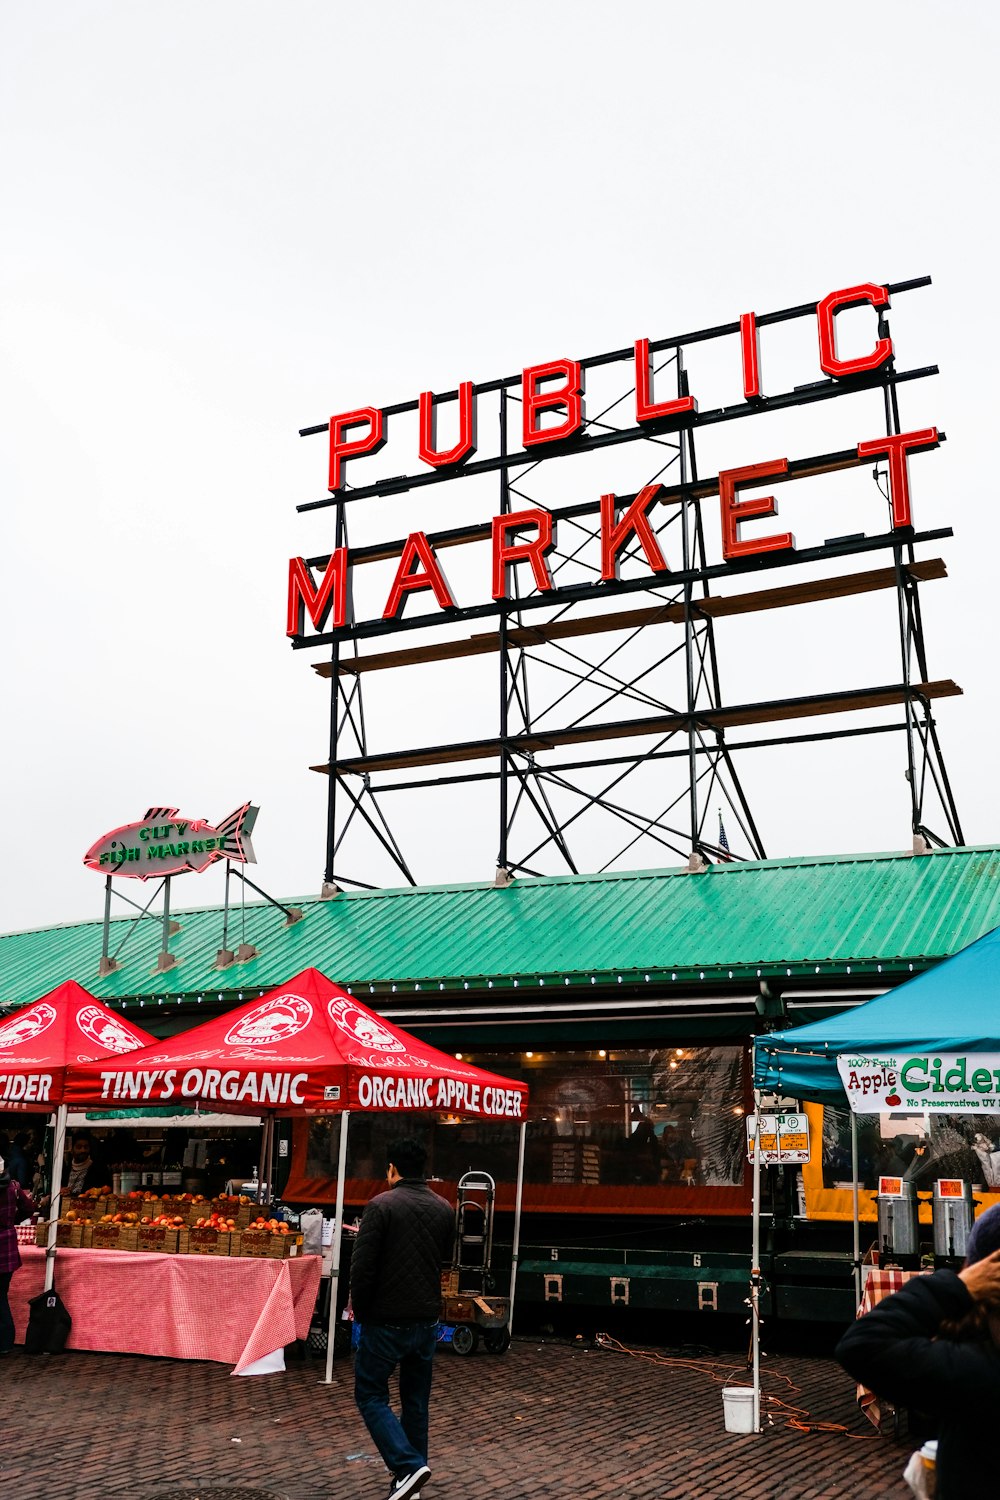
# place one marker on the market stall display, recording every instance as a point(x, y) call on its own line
point(307, 1047)
point(931, 1045)
point(37, 1045)
point(236, 1311)
point(170, 1232)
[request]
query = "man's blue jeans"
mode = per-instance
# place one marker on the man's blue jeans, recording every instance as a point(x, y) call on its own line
point(402, 1441)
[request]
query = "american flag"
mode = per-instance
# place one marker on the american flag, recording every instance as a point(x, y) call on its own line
point(723, 841)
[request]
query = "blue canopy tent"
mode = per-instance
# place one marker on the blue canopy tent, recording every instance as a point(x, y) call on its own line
point(954, 1007)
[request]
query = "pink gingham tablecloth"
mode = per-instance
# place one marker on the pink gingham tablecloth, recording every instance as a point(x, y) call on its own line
point(230, 1309)
point(882, 1282)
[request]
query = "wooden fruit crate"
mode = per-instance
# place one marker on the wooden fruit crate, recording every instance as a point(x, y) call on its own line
point(158, 1239)
point(69, 1236)
point(204, 1241)
point(92, 1208)
point(179, 1208)
point(114, 1236)
point(261, 1242)
point(231, 1208)
point(117, 1203)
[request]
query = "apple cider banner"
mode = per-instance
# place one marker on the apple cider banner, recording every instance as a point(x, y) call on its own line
point(955, 1082)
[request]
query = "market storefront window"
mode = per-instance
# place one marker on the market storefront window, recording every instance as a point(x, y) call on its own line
point(917, 1147)
point(598, 1120)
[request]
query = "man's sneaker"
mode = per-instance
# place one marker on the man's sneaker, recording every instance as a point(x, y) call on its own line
point(408, 1487)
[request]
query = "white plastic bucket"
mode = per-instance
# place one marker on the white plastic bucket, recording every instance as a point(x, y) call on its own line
point(737, 1406)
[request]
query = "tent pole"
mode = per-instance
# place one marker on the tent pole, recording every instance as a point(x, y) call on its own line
point(261, 1159)
point(515, 1254)
point(58, 1147)
point(755, 1265)
point(857, 1222)
point(337, 1236)
point(269, 1159)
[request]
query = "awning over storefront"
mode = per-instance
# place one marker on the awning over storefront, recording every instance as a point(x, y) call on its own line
point(953, 1008)
point(306, 1047)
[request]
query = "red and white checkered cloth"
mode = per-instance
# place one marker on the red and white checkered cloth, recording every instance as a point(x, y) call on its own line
point(25, 1234)
point(215, 1307)
point(882, 1282)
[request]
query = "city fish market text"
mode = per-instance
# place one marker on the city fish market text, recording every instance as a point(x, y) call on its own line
point(163, 844)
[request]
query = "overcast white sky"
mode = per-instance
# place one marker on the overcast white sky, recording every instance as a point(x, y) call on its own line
point(223, 222)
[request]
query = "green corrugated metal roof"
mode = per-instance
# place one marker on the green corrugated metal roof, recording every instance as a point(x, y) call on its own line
point(807, 916)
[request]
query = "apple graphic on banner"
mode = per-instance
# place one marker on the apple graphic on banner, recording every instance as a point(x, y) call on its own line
point(893, 1099)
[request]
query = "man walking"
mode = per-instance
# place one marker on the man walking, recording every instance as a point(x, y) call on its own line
point(405, 1237)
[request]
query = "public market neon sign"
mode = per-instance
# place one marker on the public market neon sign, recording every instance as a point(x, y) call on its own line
point(553, 401)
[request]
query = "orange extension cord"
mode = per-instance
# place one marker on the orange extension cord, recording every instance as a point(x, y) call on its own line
point(795, 1416)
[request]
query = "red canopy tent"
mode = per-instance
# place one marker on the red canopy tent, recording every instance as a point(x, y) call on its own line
point(307, 1047)
point(66, 1027)
point(299, 1049)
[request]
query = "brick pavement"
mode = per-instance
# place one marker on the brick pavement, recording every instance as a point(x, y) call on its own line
point(549, 1421)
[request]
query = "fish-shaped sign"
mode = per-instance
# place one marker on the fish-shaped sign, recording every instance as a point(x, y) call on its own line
point(163, 844)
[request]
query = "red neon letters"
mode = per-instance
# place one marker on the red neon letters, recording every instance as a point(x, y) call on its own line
point(750, 352)
point(427, 576)
point(553, 411)
point(734, 511)
point(466, 444)
point(505, 553)
point(646, 409)
point(535, 401)
point(895, 449)
point(613, 533)
point(342, 447)
point(331, 594)
point(878, 296)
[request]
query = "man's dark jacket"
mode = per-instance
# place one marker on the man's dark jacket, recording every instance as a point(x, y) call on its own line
point(405, 1237)
point(895, 1351)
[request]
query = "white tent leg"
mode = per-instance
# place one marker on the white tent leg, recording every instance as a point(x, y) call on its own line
point(755, 1267)
point(857, 1221)
point(337, 1236)
point(518, 1192)
point(59, 1146)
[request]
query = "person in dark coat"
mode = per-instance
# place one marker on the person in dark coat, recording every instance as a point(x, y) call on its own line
point(405, 1237)
point(935, 1346)
point(15, 1205)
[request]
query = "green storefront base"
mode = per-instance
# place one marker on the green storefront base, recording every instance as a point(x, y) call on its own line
point(806, 1285)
